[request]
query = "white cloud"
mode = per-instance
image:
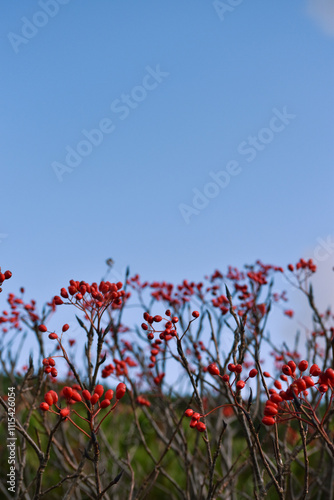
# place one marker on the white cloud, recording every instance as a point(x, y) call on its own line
point(322, 12)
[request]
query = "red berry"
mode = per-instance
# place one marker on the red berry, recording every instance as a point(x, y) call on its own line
point(42, 328)
point(323, 388)
point(253, 373)
point(315, 371)
point(76, 396)
point(270, 411)
point(44, 406)
point(309, 381)
point(105, 403)
point(51, 362)
point(240, 385)
point(225, 378)
point(231, 367)
point(53, 336)
point(54, 396)
point(94, 399)
point(301, 384)
point(54, 372)
point(200, 426)
point(45, 362)
point(63, 293)
point(303, 365)
point(213, 369)
point(286, 370)
point(268, 421)
point(292, 365)
point(67, 392)
point(330, 374)
point(65, 327)
point(238, 368)
point(99, 389)
point(144, 326)
point(120, 390)
point(195, 314)
point(109, 394)
point(48, 399)
point(57, 300)
point(86, 395)
point(189, 412)
point(193, 423)
point(278, 385)
point(8, 275)
point(276, 398)
point(157, 319)
point(64, 412)
point(266, 374)
point(175, 319)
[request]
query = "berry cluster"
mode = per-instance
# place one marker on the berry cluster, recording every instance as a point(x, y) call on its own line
point(92, 297)
point(50, 367)
point(195, 422)
point(93, 403)
point(303, 264)
point(4, 276)
point(282, 406)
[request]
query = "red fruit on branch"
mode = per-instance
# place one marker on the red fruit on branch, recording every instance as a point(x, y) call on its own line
point(54, 396)
point(120, 390)
point(109, 394)
point(303, 365)
point(94, 399)
point(76, 396)
point(67, 392)
point(63, 293)
point(200, 426)
point(315, 371)
point(287, 370)
point(42, 328)
point(292, 365)
point(86, 395)
point(105, 403)
point(99, 389)
point(268, 420)
point(44, 406)
point(48, 399)
point(270, 411)
point(213, 369)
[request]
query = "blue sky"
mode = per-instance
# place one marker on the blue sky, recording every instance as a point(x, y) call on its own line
point(219, 82)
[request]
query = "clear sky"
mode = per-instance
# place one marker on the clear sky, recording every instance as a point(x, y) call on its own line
point(175, 137)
